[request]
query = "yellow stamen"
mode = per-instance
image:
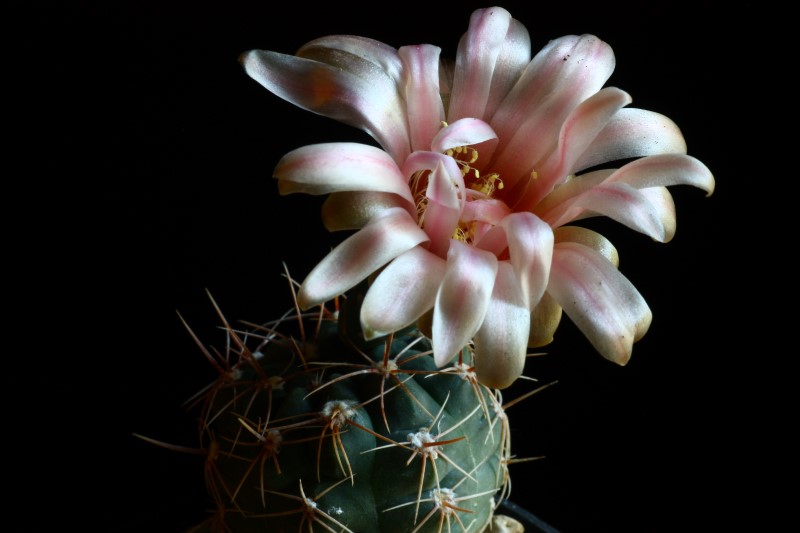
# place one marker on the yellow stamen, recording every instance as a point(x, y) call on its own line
point(488, 184)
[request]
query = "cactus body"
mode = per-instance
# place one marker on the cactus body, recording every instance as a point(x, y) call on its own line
point(308, 428)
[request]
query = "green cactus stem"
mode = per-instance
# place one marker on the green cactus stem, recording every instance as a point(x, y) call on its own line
point(308, 427)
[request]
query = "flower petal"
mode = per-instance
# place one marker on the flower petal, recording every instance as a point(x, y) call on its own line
point(490, 57)
point(462, 300)
point(577, 133)
point(381, 240)
point(353, 209)
point(425, 111)
point(530, 247)
point(501, 342)
point(601, 302)
point(633, 133)
point(442, 211)
point(545, 318)
point(351, 52)
point(663, 205)
point(590, 238)
point(618, 201)
point(363, 96)
point(402, 292)
point(562, 75)
point(463, 132)
point(666, 170)
point(573, 199)
point(333, 167)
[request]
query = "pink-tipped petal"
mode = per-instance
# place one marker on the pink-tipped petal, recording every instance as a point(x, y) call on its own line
point(666, 170)
point(442, 211)
point(363, 97)
point(464, 132)
point(476, 59)
point(486, 210)
point(530, 247)
point(381, 240)
point(462, 300)
point(425, 110)
point(662, 203)
point(502, 340)
point(617, 201)
point(633, 133)
point(601, 302)
point(400, 294)
point(335, 167)
point(562, 75)
point(577, 133)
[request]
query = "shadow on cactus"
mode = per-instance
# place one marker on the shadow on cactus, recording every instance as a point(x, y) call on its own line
point(308, 427)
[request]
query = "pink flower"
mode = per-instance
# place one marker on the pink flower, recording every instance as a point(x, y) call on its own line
point(463, 210)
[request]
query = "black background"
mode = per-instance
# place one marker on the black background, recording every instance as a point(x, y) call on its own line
point(152, 154)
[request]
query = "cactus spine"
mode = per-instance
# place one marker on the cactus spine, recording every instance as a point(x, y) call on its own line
point(309, 428)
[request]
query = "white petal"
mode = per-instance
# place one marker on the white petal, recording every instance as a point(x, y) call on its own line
point(502, 340)
point(562, 75)
point(601, 302)
point(353, 52)
point(462, 300)
point(530, 246)
point(464, 132)
point(381, 240)
point(666, 170)
point(363, 95)
point(476, 59)
point(333, 167)
point(577, 133)
point(620, 202)
point(402, 292)
point(421, 84)
point(633, 133)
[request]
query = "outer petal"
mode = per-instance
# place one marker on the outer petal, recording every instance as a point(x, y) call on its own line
point(462, 300)
point(402, 292)
point(633, 133)
point(423, 103)
point(333, 167)
point(501, 341)
point(490, 55)
point(618, 201)
point(662, 203)
point(590, 238)
point(363, 96)
point(563, 74)
point(577, 133)
point(352, 210)
point(384, 238)
point(545, 318)
point(530, 246)
point(649, 174)
point(601, 302)
point(352, 53)
point(665, 170)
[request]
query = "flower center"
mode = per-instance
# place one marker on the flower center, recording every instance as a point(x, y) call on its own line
point(478, 187)
point(465, 156)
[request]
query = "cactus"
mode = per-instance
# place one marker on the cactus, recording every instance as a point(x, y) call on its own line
point(310, 428)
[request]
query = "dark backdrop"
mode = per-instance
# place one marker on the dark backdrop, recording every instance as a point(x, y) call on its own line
point(159, 151)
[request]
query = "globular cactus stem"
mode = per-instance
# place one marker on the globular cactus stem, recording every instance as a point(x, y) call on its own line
point(309, 428)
